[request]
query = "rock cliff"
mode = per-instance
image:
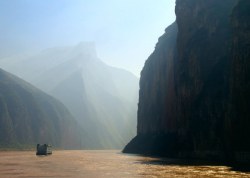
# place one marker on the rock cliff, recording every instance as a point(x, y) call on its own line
point(193, 88)
point(202, 73)
point(238, 118)
point(157, 87)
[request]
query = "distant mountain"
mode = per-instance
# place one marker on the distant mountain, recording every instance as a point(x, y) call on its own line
point(29, 116)
point(102, 98)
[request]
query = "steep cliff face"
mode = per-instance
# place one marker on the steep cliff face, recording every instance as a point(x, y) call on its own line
point(202, 71)
point(157, 92)
point(239, 116)
point(188, 82)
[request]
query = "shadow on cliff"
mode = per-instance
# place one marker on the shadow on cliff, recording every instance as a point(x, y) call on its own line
point(185, 162)
point(241, 168)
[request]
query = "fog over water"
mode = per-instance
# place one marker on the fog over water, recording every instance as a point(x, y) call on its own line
point(125, 31)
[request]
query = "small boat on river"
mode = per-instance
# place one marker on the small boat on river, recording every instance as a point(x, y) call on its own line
point(44, 149)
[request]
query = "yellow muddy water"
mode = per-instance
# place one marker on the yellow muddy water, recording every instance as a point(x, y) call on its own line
point(103, 164)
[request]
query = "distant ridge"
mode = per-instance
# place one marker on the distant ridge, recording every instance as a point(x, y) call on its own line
point(102, 98)
point(29, 116)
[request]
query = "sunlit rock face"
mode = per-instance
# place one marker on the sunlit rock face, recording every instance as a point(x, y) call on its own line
point(189, 80)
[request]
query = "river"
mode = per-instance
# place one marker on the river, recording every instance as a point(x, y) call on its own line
point(103, 164)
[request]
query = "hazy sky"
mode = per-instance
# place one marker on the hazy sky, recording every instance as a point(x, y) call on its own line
point(125, 31)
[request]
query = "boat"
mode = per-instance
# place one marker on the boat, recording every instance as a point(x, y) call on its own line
point(43, 149)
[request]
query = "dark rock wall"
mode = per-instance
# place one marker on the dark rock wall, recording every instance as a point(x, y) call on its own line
point(238, 119)
point(202, 70)
point(194, 87)
point(157, 87)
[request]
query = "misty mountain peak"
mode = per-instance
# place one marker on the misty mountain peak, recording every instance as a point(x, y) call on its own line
point(78, 54)
point(85, 49)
